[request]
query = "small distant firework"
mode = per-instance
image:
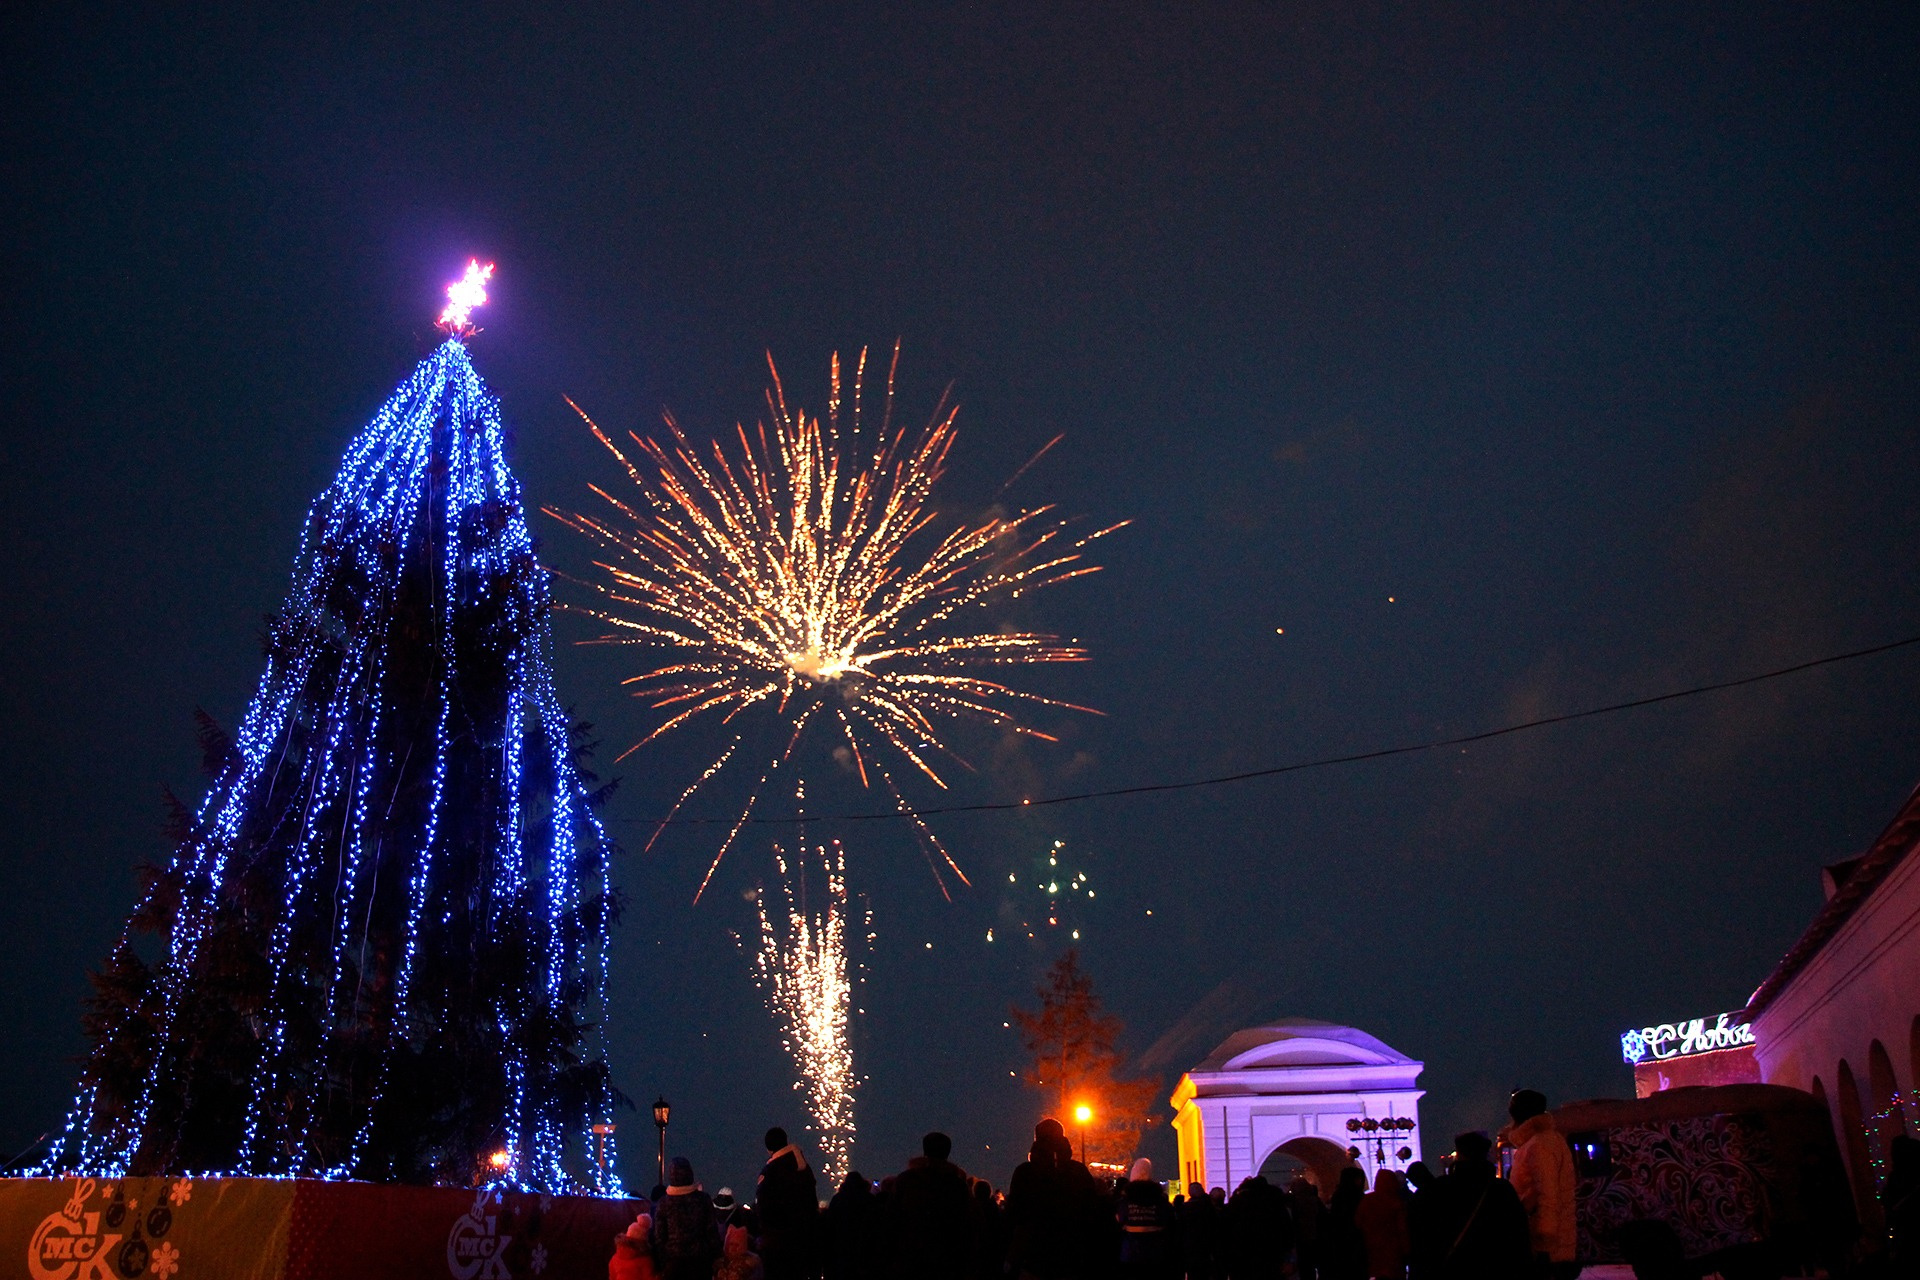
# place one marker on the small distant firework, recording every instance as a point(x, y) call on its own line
point(1061, 889)
point(783, 574)
point(802, 966)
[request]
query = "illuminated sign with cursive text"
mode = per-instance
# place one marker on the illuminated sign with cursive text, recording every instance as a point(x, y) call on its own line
point(1682, 1039)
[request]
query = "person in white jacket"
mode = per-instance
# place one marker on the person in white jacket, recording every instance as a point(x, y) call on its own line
point(1543, 1177)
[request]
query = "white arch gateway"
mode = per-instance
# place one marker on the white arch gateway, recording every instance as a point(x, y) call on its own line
point(1293, 1086)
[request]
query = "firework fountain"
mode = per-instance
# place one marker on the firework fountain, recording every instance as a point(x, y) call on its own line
point(801, 965)
point(795, 575)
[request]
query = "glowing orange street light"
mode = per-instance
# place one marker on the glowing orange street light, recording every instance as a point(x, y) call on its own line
point(1083, 1113)
point(500, 1161)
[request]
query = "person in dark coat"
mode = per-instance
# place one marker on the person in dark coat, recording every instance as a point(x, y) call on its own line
point(932, 1214)
point(1258, 1226)
point(1147, 1239)
point(1309, 1222)
point(853, 1232)
point(989, 1234)
point(1343, 1251)
point(1424, 1246)
point(1053, 1209)
point(685, 1238)
point(1482, 1225)
point(787, 1203)
point(1199, 1233)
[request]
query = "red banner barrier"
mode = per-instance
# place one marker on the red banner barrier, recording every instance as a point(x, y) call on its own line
point(268, 1229)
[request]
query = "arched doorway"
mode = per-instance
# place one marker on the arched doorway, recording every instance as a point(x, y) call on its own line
point(1913, 1068)
point(1853, 1144)
point(1318, 1159)
point(1886, 1118)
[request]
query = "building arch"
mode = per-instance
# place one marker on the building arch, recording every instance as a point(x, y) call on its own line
point(1913, 1068)
point(1853, 1145)
point(1265, 1088)
point(1323, 1158)
point(1886, 1118)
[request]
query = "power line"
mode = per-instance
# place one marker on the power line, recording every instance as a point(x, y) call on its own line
point(1299, 766)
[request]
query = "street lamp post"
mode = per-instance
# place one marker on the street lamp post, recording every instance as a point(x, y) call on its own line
point(660, 1122)
point(1083, 1113)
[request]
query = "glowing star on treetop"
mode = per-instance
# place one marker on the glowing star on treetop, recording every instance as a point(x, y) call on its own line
point(463, 295)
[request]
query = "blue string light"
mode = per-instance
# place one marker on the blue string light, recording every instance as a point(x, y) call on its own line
point(429, 471)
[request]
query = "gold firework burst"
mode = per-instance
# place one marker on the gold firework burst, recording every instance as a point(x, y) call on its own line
point(801, 569)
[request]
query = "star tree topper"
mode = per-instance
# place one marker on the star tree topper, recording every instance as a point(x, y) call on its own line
point(463, 295)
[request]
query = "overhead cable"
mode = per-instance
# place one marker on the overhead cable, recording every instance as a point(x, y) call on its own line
point(1300, 766)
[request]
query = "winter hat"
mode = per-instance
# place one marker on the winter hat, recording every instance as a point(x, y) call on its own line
point(724, 1199)
point(1049, 1128)
point(1472, 1147)
point(1142, 1171)
point(679, 1172)
point(1526, 1104)
point(776, 1138)
point(641, 1228)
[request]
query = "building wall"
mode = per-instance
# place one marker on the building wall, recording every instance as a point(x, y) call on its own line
point(1847, 1028)
point(1193, 1154)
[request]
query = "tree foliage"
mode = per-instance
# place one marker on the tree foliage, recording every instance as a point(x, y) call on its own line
point(1077, 1061)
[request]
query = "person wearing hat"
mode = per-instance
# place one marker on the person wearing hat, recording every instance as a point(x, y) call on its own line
point(1146, 1226)
point(1054, 1209)
point(1543, 1179)
point(686, 1240)
point(729, 1212)
point(738, 1261)
point(633, 1252)
point(787, 1200)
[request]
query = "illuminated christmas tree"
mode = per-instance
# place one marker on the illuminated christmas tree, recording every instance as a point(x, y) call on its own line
point(379, 949)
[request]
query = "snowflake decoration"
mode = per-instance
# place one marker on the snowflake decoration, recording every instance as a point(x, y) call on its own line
point(1633, 1047)
point(183, 1191)
point(538, 1262)
point(165, 1260)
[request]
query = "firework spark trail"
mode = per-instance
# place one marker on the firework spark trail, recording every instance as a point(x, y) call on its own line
point(802, 966)
point(788, 570)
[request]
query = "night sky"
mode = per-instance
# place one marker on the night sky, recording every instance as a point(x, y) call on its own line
point(1512, 362)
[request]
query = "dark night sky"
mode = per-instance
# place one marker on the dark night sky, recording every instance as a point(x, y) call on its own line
point(1587, 338)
